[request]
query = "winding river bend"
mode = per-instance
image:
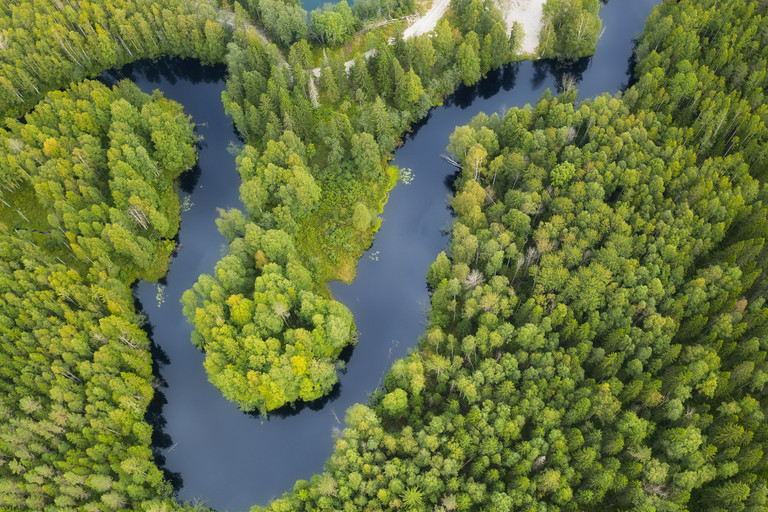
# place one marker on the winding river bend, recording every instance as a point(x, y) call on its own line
point(231, 460)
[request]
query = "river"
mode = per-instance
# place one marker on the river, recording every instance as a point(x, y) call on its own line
point(230, 460)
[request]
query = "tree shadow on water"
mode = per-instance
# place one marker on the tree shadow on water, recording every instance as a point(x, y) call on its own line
point(463, 96)
point(290, 410)
point(504, 78)
point(170, 69)
point(153, 416)
point(631, 65)
point(496, 80)
point(189, 178)
point(450, 180)
point(561, 71)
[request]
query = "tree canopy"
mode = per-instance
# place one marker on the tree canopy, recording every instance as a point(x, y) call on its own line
point(571, 28)
point(597, 335)
point(597, 338)
point(94, 168)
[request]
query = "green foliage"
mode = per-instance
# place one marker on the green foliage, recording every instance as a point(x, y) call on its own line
point(365, 153)
point(285, 21)
point(76, 371)
point(361, 218)
point(479, 16)
point(571, 28)
point(44, 47)
point(709, 75)
point(359, 116)
point(327, 130)
point(561, 175)
point(269, 337)
point(333, 24)
point(295, 150)
point(277, 188)
point(597, 336)
point(268, 340)
point(374, 9)
point(469, 59)
point(101, 163)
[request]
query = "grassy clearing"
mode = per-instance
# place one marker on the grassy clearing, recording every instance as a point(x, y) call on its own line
point(328, 239)
point(20, 210)
point(361, 42)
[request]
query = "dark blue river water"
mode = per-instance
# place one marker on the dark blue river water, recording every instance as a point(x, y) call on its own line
point(230, 460)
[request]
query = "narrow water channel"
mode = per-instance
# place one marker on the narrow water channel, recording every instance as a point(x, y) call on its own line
point(231, 460)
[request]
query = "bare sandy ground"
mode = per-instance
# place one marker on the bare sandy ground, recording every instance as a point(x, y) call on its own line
point(429, 21)
point(528, 13)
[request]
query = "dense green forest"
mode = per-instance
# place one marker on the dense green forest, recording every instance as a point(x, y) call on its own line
point(88, 185)
point(89, 206)
point(46, 45)
point(571, 28)
point(597, 335)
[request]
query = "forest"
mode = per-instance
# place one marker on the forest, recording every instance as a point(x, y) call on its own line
point(76, 369)
point(597, 337)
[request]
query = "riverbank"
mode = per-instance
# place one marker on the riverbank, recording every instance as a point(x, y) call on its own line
point(530, 15)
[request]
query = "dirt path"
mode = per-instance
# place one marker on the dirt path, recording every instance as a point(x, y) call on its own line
point(429, 21)
point(528, 13)
point(347, 64)
point(313, 92)
point(422, 25)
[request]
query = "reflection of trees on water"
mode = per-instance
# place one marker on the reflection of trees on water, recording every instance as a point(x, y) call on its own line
point(188, 180)
point(287, 411)
point(496, 80)
point(631, 64)
point(161, 440)
point(561, 71)
point(168, 69)
point(505, 78)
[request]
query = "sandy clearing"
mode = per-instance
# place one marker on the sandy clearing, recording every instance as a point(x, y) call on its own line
point(529, 14)
point(429, 21)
